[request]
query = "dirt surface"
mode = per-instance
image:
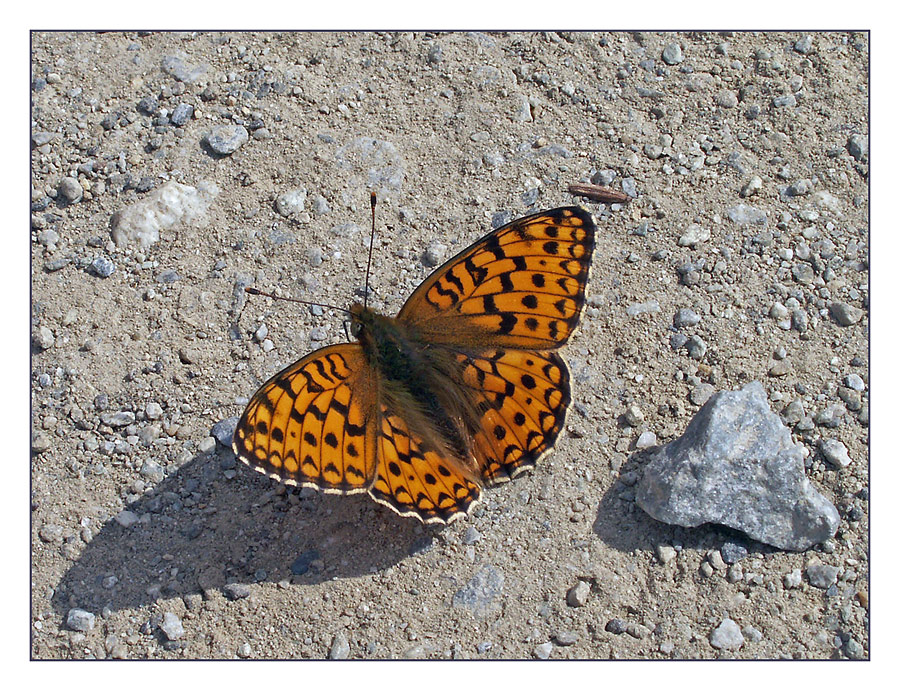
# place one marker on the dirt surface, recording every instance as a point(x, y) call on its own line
point(454, 131)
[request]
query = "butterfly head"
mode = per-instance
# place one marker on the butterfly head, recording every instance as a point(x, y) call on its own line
point(361, 320)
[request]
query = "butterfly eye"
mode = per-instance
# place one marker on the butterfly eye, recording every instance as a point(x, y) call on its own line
point(356, 328)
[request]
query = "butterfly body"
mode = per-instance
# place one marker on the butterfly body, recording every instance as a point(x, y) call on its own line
point(462, 389)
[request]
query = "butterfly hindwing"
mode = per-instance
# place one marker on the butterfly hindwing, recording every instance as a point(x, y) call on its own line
point(522, 397)
point(415, 480)
point(312, 423)
point(521, 286)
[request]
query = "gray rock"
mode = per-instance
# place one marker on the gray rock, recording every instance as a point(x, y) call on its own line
point(70, 190)
point(645, 440)
point(43, 338)
point(672, 54)
point(844, 314)
point(577, 596)
point(736, 465)
point(152, 471)
point(182, 113)
point(236, 591)
point(732, 552)
point(792, 579)
point(123, 418)
point(821, 575)
point(830, 417)
point(803, 45)
point(696, 347)
point(173, 203)
point(340, 647)
point(727, 636)
point(565, 638)
point(542, 652)
point(482, 593)
point(223, 431)
point(855, 382)
point(434, 253)
point(616, 626)
point(858, 146)
point(178, 67)
point(742, 214)
point(103, 267)
point(226, 139)
point(835, 452)
point(685, 317)
point(693, 235)
point(80, 620)
point(636, 308)
point(171, 626)
point(126, 518)
point(292, 202)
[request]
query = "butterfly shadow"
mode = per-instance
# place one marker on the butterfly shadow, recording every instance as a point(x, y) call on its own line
point(624, 526)
point(198, 531)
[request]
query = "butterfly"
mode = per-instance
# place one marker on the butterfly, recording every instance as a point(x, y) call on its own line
point(462, 389)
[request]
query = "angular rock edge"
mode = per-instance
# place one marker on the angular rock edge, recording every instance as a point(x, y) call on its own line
point(737, 466)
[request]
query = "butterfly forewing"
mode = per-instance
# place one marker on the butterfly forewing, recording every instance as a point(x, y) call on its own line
point(313, 422)
point(521, 286)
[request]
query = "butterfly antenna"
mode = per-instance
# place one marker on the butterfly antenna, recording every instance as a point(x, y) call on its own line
point(256, 291)
point(371, 245)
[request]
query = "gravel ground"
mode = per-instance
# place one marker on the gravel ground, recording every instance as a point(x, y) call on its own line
point(746, 157)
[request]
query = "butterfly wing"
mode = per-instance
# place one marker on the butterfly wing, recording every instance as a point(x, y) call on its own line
point(522, 398)
point(521, 286)
point(314, 423)
point(415, 480)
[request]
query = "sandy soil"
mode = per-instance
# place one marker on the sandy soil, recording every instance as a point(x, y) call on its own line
point(466, 126)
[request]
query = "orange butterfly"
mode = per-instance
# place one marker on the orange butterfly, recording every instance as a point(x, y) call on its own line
point(462, 389)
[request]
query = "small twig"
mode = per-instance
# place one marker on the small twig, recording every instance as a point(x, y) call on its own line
point(598, 193)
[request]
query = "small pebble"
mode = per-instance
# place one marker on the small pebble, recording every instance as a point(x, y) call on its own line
point(616, 626)
point(821, 575)
point(40, 442)
point(171, 626)
point(792, 579)
point(633, 415)
point(226, 139)
point(103, 267)
point(80, 620)
point(542, 652)
point(685, 317)
point(732, 552)
point(693, 235)
point(835, 452)
point(578, 594)
point(665, 553)
point(236, 591)
point(126, 518)
point(566, 638)
point(340, 647)
point(855, 382)
point(727, 636)
point(645, 440)
point(182, 113)
point(672, 54)
point(43, 338)
point(844, 314)
point(70, 190)
point(292, 202)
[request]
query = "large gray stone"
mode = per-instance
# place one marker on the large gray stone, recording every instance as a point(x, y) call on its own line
point(736, 465)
